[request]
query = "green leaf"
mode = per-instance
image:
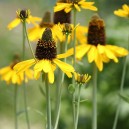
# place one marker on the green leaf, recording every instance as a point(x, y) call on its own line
point(125, 98)
point(71, 88)
point(42, 90)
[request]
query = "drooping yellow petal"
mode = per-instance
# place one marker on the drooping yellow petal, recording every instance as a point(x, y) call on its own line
point(24, 65)
point(110, 54)
point(4, 70)
point(77, 7)
point(118, 51)
point(44, 65)
point(60, 6)
point(92, 53)
point(14, 23)
point(51, 76)
point(125, 7)
point(98, 60)
point(37, 74)
point(68, 9)
point(14, 77)
point(82, 50)
point(63, 66)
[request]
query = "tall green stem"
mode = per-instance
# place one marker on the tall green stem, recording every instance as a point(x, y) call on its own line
point(121, 90)
point(78, 106)
point(48, 100)
point(74, 61)
point(25, 33)
point(24, 85)
point(94, 110)
point(15, 105)
point(59, 90)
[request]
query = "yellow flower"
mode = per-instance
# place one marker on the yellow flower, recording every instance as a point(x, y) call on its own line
point(46, 59)
point(82, 78)
point(10, 76)
point(67, 29)
point(96, 48)
point(23, 15)
point(124, 12)
point(74, 4)
point(36, 32)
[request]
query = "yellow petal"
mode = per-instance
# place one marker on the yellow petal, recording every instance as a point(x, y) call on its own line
point(68, 9)
point(14, 23)
point(14, 77)
point(98, 61)
point(63, 65)
point(51, 76)
point(92, 53)
point(5, 70)
point(37, 74)
point(126, 7)
point(110, 54)
point(60, 6)
point(24, 65)
point(44, 65)
point(77, 7)
point(118, 51)
point(82, 51)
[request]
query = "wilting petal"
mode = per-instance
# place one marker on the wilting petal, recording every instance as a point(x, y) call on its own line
point(51, 76)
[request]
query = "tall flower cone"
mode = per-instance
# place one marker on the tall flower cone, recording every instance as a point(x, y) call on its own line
point(23, 15)
point(46, 59)
point(96, 48)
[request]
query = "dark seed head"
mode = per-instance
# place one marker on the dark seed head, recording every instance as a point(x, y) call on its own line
point(23, 14)
point(62, 17)
point(16, 59)
point(46, 21)
point(96, 31)
point(46, 47)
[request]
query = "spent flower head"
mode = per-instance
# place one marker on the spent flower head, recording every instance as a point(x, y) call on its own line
point(23, 16)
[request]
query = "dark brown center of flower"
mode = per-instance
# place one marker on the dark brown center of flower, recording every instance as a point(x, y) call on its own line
point(16, 60)
point(62, 17)
point(46, 21)
point(23, 14)
point(96, 31)
point(46, 47)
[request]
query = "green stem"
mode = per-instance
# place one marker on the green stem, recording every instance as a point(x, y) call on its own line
point(94, 111)
point(59, 91)
point(78, 106)
point(74, 61)
point(25, 33)
point(24, 85)
point(15, 105)
point(121, 90)
point(48, 103)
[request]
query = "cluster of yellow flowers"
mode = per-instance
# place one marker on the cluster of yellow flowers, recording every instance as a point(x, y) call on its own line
point(95, 47)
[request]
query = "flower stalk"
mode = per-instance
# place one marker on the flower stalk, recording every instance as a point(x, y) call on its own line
point(15, 106)
point(94, 110)
point(24, 85)
point(59, 90)
point(121, 90)
point(48, 100)
point(74, 61)
point(78, 106)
